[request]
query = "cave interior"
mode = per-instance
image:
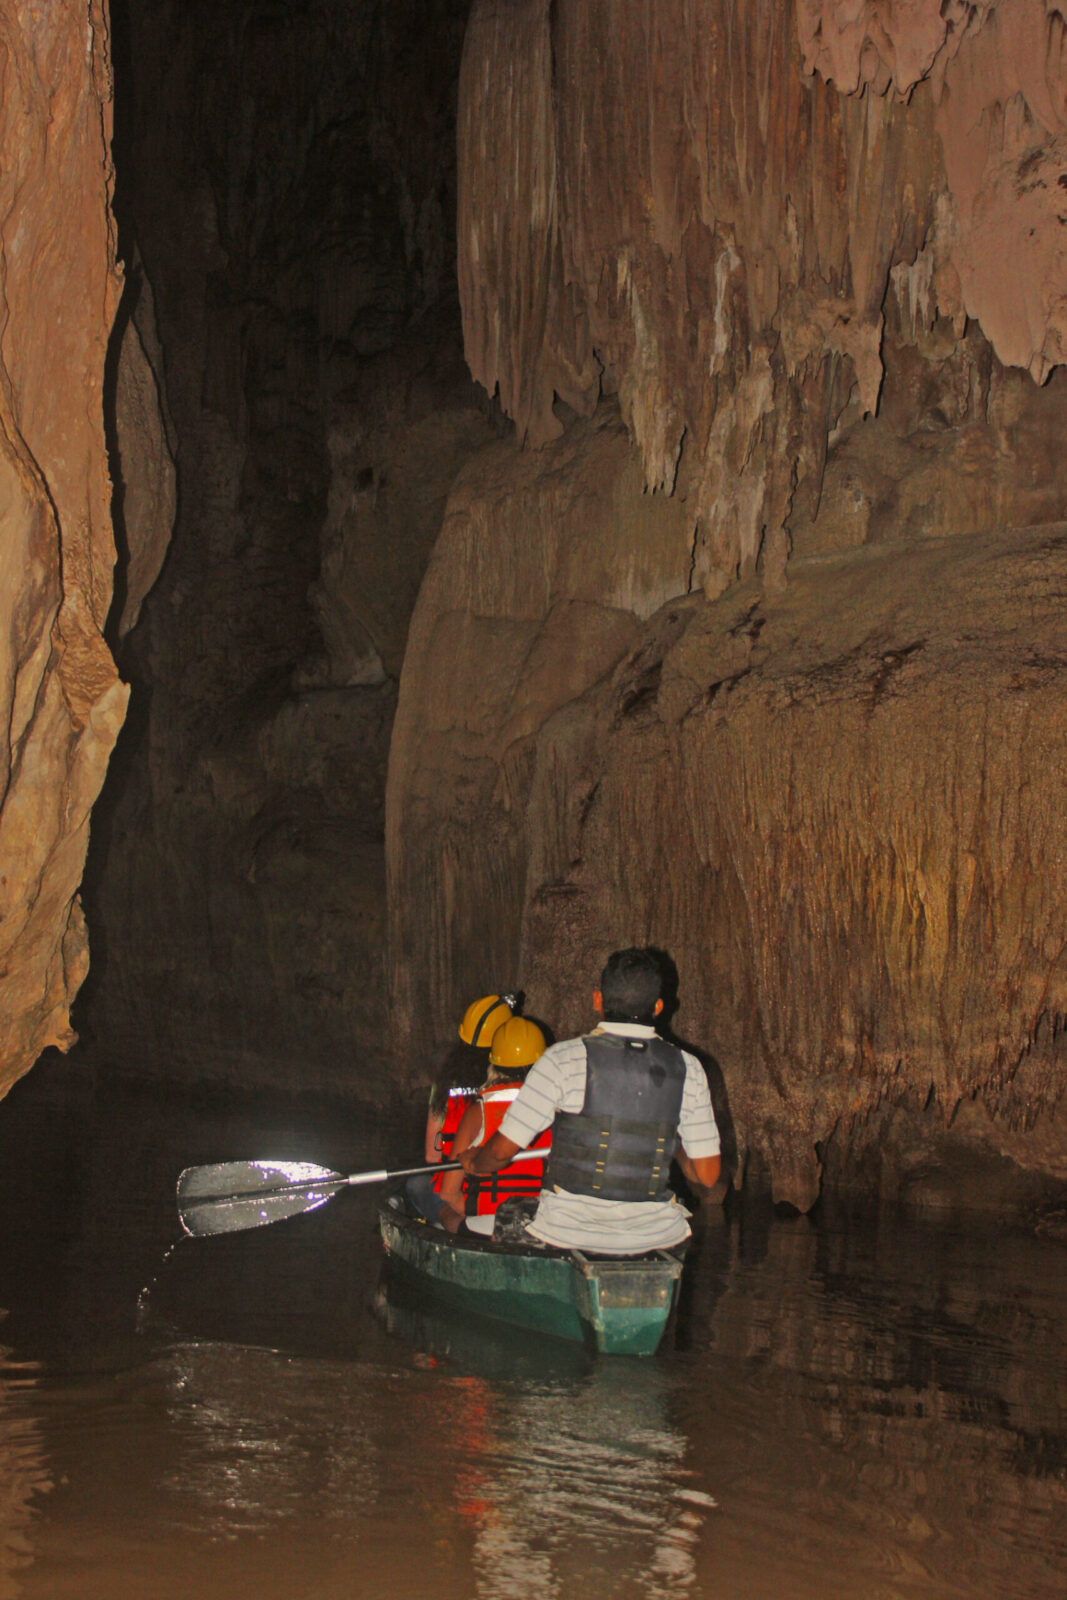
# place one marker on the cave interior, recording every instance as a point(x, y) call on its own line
point(579, 475)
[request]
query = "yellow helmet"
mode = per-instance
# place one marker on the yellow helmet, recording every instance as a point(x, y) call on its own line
point(517, 1043)
point(484, 1017)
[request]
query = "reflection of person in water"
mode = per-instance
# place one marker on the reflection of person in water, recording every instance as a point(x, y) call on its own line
point(23, 1474)
point(622, 1103)
point(638, 1507)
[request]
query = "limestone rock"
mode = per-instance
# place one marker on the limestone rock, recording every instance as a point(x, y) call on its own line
point(700, 205)
point(704, 230)
point(146, 493)
point(61, 703)
point(397, 439)
point(537, 586)
point(813, 253)
point(838, 808)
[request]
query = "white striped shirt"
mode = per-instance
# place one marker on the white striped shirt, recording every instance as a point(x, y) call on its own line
point(556, 1082)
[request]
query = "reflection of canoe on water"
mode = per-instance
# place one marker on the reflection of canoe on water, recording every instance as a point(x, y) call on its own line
point(443, 1335)
point(620, 1305)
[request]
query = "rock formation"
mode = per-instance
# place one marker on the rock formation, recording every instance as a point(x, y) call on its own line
point(780, 688)
point(744, 643)
point(287, 177)
point(143, 452)
point(62, 702)
point(708, 230)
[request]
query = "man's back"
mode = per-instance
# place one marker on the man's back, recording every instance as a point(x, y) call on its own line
point(556, 1088)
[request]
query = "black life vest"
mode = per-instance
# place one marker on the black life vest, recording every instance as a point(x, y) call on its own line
point(621, 1144)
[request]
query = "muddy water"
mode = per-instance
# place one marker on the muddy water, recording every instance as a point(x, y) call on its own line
point(850, 1410)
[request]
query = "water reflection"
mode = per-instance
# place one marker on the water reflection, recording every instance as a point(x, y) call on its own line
point(560, 1483)
point(843, 1411)
point(23, 1472)
point(578, 1467)
point(264, 1439)
point(912, 1398)
point(441, 1469)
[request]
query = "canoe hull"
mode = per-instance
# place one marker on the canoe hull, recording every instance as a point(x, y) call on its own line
point(620, 1306)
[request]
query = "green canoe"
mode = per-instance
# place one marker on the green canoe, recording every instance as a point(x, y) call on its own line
point(620, 1304)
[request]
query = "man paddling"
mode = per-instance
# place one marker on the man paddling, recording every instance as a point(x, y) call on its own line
point(622, 1103)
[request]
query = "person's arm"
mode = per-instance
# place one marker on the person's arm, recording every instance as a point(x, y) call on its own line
point(470, 1127)
point(697, 1131)
point(435, 1121)
point(528, 1115)
point(701, 1173)
point(485, 1158)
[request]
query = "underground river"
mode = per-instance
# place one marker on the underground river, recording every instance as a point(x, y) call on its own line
point(870, 1410)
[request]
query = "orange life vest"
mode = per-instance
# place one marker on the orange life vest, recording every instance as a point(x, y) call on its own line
point(456, 1105)
point(485, 1194)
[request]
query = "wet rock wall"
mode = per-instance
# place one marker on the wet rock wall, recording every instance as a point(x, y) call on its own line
point(701, 205)
point(755, 653)
point(61, 701)
point(838, 808)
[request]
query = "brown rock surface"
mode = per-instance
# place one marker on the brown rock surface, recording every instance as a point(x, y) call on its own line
point(62, 702)
point(705, 230)
point(539, 579)
point(143, 458)
point(840, 809)
point(827, 776)
point(695, 222)
point(998, 73)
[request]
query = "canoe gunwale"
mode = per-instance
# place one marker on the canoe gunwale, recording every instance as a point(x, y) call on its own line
point(478, 1244)
point(618, 1304)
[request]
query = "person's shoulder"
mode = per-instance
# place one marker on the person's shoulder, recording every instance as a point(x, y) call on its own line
point(696, 1077)
point(563, 1053)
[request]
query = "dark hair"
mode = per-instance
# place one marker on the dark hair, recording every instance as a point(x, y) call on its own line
point(630, 984)
point(464, 1067)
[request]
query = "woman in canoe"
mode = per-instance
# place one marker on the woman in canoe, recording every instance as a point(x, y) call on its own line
point(472, 1203)
point(462, 1073)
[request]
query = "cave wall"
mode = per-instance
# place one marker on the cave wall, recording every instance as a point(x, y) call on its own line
point(142, 445)
point(745, 644)
point(287, 190)
point(755, 652)
point(62, 701)
point(703, 203)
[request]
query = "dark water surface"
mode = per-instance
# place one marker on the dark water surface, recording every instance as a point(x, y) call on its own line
point(865, 1411)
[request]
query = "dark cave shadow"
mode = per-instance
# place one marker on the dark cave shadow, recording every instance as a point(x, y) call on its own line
point(120, 579)
point(126, 253)
point(126, 757)
point(549, 1033)
point(127, 652)
point(720, 1099)
point(134, 727)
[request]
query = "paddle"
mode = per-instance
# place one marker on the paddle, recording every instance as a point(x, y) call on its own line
point(233, 1195)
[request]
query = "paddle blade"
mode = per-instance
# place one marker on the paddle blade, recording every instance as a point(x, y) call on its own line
point(234, 1195)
